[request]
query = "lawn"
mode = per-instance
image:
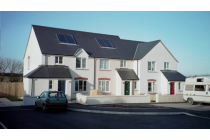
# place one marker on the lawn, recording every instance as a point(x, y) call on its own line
point(12, 98)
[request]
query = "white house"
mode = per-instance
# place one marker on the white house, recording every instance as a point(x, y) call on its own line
point(77, 62)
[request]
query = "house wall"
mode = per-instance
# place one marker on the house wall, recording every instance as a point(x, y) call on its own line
point(111, 73)
point(159, 54)
point(27, 86)
point(70, 61)
point(32, 50)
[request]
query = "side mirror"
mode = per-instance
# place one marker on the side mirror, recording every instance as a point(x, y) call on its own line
point(38, 97)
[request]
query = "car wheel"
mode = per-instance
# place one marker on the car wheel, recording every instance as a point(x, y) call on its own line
point(44, 108)
point(36, 108)
point(190, 101)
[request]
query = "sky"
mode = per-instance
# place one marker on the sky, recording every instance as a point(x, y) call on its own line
point(185, 34)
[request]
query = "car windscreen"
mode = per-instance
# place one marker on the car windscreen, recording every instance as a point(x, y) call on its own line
point(56, 95)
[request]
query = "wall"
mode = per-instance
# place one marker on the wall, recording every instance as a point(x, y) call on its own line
point(111, 73)
point(29, 100)
point(159, 54)
point(32, 50)
point(169, 98)
point(70, 61)
point(93, 100)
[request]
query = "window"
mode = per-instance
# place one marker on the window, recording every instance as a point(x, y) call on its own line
point(151, 65)
point(56, 95)
point(104, 42)
point(166, 65)
point(58, 60)
point(66, 39)
point(103, 85)
point(200, 80)
point(179, 85)
point(189, 87)
point(200, 87)
point(209, 87)
point(80, 85)
point(104, 64)
point(135, 85)
point(151, 87)
point(50, 84)
point(29, 63)
point(43, 95)
point(81, 63)
point(123, 64)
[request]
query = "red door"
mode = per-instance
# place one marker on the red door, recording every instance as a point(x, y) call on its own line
point(172, 88)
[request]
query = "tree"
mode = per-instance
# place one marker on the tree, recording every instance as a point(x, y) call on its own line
point(15, 67)
point(4, 64)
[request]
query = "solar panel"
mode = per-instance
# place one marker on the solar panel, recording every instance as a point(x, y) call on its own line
point(104, 42)
point(61, 38)
point(101, 42)
point(70, 39)
point(108, 43)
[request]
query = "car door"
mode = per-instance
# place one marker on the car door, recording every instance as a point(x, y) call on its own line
point(38, 101)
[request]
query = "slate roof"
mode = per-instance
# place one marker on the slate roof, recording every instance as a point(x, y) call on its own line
point(50, 71)
point(173, 75)
point(124, 49)
point(127, 74)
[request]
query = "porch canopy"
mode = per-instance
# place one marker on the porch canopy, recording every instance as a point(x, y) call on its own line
point(50, 71)
point(127, 74)
point(173, 75)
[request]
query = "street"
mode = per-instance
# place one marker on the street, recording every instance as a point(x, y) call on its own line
point(28, 118)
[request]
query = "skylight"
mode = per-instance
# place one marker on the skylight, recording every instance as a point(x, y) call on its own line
point(104, 42)
point(66, 39)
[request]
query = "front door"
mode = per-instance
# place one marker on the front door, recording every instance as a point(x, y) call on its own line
point(127, 88)
point(61, 86)
point(172, 88)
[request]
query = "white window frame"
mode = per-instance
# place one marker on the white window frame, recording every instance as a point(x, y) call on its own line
point(29, 63)
point(152, 86)
point(81, 63)
point(151, 65)
point(82, 85)
point(105, 81)
point(166, 68)
point(124, 64)
point(103, 60)
point(51, 84)
point(58, 60)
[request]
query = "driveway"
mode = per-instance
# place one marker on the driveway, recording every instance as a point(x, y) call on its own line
point(185, 105)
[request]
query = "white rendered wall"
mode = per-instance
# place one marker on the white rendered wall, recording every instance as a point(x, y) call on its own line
point(32, 50)
point(159, 54)
point(27, 86)
point(70, 61)
point(111, 73)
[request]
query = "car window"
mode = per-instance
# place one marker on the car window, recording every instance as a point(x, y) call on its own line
point(41, 95)
point(56, 95)
point(209, 87)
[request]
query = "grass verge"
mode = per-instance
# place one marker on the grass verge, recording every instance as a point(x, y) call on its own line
point(12, 98)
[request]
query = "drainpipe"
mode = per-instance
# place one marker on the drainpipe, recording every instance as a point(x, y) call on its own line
point(32, 87)
point(133, 88)
point(94, 75)
point(137, 66)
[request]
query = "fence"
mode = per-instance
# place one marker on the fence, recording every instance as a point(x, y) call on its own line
point(11, 89)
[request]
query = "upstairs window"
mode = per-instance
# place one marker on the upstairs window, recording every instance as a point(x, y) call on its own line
point(123, 64)
point(29, 63)
point(104, 64)
point(104, 42)
point(66, 39)
point(81, 63)
point(166, 65)
point(58, 60)
point(151, 66)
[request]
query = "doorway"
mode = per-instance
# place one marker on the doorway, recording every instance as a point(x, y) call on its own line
point(61, 85)
point(127, 88)
point(172, 88)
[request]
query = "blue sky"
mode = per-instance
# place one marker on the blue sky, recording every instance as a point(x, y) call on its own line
point(185, 34)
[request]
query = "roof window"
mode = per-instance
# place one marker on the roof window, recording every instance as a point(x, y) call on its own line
point(66, 39)
point(104, 42)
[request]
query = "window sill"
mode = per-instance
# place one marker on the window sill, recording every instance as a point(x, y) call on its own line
point(81, 69)
point(69, 44)
point(152, 71)
point(167, 69)
point(104, 70)
point(58, 64)
point(136, 89)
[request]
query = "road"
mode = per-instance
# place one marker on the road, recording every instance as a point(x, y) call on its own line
point(28, 118)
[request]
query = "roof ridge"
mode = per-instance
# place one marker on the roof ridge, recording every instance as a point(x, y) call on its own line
point(75, 30)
